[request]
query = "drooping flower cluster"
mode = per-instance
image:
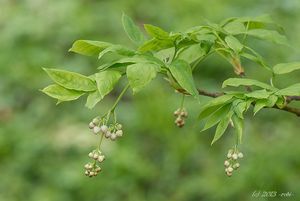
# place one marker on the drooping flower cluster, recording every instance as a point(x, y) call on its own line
point(92, 169)
point(113, 131)
point(232, 163)
point(99, 127)
point(181, 114)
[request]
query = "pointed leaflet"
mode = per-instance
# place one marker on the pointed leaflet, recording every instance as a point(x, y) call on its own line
point(182, 72)
point(88, 47)
point(293, 90)
point(286, 67)
point(155, 44)
point(92, 99)
point(239, 106)
point(234, 43)
point(191, 53)
point(238, 124)
point(119, 49)
point(259, 94)
point(259, 104)
point(62, 94)
point(222, 126)
point(156, 32)
point(140, 74)
point(236, 82)
point(270, 35)
point(216, 117)
point(132, 30)
point(218, 101)
point(106, 81)
point(71, 80)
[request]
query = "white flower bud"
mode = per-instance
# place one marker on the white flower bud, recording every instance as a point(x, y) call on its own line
point(113, 136)
point(229, 174)
point(96, 129)
point(91, 125)
point(240, 155)
point(95, 156)
point(101, 158)
point(119, 126)
point(104, 129)
point(91, 155)
point(229, 155)
point(119, 133)
point(95, 121)
point(230, 169)
point(234, 156)
point(86, 173)
point(108, 134)
point(236, 166)
point(92, 174)
point(98, 169)
point(226, 163)
point(87, 166)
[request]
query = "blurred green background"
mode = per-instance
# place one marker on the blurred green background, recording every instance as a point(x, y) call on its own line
point(43, 147)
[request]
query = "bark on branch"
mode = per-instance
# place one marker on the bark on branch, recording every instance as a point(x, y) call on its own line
point(293, 110)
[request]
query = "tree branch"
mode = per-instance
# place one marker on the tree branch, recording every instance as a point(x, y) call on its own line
point(202, 92)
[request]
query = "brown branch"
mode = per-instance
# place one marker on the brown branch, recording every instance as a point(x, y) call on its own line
point(292, 98)
point(293, 110)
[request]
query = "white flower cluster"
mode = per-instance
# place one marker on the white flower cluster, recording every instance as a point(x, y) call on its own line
point(112, 132)
point(181, 114)
point(92, 169)
point(231, 163)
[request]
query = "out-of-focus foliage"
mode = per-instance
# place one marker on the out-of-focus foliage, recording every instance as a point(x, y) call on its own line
point(43, 147)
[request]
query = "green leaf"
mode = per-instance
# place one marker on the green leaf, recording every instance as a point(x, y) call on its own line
point(286, 67)
point(222, 126)
point(269, 35)
point(131, 60)
point(156, 32)
point(236, 82)
point(71, 80)
point(221, 100)
point(235, 28)
point(205, 112)
point(62, 94)
point(255, 58)
point(140, 74)
point(293, 90)
point(155, 44)
point(216, 117)
point(92, 99)
point(239, 107)
point(270, 102)
point(106, 81)
point(182, 72)
point(132, 31)
point(234, 43)
point(238, 124)
point(119, 49)
point(191, 53)
point(88, 47)
point(259, 94)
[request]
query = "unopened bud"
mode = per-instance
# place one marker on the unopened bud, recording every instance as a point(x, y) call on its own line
point(119, 133)
point(96, 129)
point(91, 155)
point(113, 136)
point(226, 163)
point(119, 126)
point(91, 125)
point(234, 156)
point(95, 121)
point(107, 134)
point(101, 158)
point(104, 129)
point(240, 155)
